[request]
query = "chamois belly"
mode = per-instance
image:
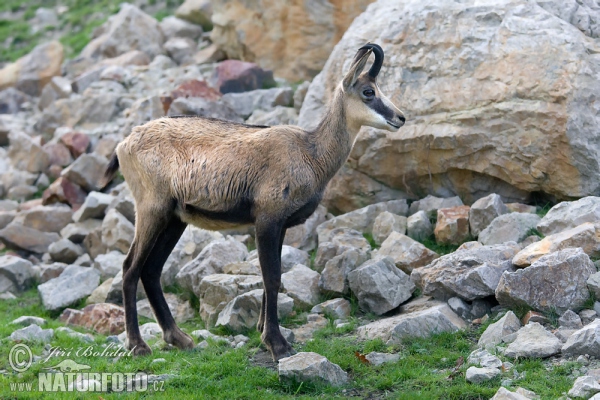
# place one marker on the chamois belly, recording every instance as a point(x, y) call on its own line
point(236, 217)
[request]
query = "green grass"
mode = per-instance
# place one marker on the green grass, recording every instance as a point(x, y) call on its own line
point(441, 249)
point(427, 368)
point(534, 232)
point(76, 24)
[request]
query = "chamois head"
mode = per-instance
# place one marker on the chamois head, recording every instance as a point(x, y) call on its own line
point(365, 104)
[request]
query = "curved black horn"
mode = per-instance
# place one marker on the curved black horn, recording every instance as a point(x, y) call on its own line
point(378, 51)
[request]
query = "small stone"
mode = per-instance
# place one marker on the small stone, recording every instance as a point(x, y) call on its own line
point(418, 226)
point(432, 204)
point(452, 225)
point(484, 359)
point(484, 211)
point(480, 375)
point(513, 227)
point(385, 224)
point(339, 308)
point(407, 253)
point(94, 206)
point(310, 366)
point(301, 284)
point(570, 320)
point(377, 359)
point(117, 231)
point(27, 320)
point(16, 274)
point(74, 284)
point(86, 171)
point(584, 387)
point(65, 251)
point(534, 341)
point(104, 318)
point(33, 333)
point(495, 333)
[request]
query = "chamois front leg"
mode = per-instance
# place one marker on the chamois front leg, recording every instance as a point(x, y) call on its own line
point(261, 319)
point(268, 238)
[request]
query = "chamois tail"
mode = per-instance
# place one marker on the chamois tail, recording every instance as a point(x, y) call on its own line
point(111, 171)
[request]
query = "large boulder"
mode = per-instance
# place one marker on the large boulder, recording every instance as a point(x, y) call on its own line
point(468, 274)
point(72, 285)
point(554, 283)
point(513, 227)
point(16, 274)
point(480, 79)
point(293, 38)
point(570, 214)
point(130, 29)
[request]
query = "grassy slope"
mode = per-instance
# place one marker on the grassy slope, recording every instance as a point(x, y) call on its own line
point(78, 23)
point(221, 372)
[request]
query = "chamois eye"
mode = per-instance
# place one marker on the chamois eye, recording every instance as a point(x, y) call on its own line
point(368, 93)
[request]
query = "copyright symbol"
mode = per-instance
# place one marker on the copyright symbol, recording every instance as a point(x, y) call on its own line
point(20, 357)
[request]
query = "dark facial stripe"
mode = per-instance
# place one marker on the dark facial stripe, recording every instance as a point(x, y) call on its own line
point(380, 108)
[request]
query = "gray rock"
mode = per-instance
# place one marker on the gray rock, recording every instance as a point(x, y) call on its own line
point(76, 335)
point(505, 394)
point(19, 237)
point(304, 236)
point(593, 284)
point(570, 320)
point(25, 154)
point(100, 294)
point(245, 103)
point(242, 312)
point(587, 316)
point(74, 284)
point(339, 308)
point(86, 171)
point(203, 108)
point(483, 358)
point(377, 359)
point(468, 274)
point(109, 264)
point(217, 290)
point(533, 341)
point(45, 218)
point(77, 231)
point(334, 277)
point(436, 318)
point(304, 367)
point(496, 332)
point(301, 284)
point(191, 243)
point(555, 282)
point(243, 268)
point(16, 274)
point(94, 206)
point(431, 204)
point(181, 49)
point(338, 241)
point(484, 211)
point(117, 231)
point(33, 333)
point(65, 251)
point(380, 286)
point(584, 341)
point(291, 256)
point(361, 220)
point(181, 310)
point(584, 387)
point(407, 253)
point(58, 88)
point(172, 26)
point(570, 214)
point(51, 271)
point(418, 226)
point(115, 292)
point(210, 260)
point(480, 375)
point(27, 320)
point(513, 227)
point(278, 116)
point(93, 242)
point(460, 307)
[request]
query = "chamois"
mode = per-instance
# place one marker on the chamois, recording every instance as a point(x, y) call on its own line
point(217, 174)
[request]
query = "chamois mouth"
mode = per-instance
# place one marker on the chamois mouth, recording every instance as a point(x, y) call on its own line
point(392, 124)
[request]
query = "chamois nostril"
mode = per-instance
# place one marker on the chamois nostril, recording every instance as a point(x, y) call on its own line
point(401, 118)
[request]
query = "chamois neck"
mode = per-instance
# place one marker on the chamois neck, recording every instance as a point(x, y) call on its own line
point(333, 138)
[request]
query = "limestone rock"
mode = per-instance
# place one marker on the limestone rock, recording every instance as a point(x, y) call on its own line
point(299, 50)
point(196, 11)
point(380, 286)
point(301, 284)
point(505, 394)
point(109, 264)
point(586, 236)
point(181, 310)
point(16, 274)
point(244, 104)
point(436, 318)
point(361, 220)
point(32, 333)
point(483, 358)
point(172, 26)
point(72, 285)
point(45, 218)
point(494, 334)
point(76, 142)
point(115, 293)
point(336, 242)
point(64, 191)
point(86, 171)
point(310, 366)
point(215, 291)
point(513, 227)
point(130, 29)
point(407, 253)
point(555, 282)
point(180, 49)
point(377, 359)
point(584, 341)
point(203, 108)
point(418, 226)
point(25, 154)
point(334, 277)
point(585, 387)
point(303, 236)
point(104, 318)
point(431, 204)
point(480, 375)
point(117, 232)
point(570, 320)
point(291, 256)
point(339, 308)
point(33, 71)
point(460, 99)
point(570, 214)
point(484, 211)
point(452, 225)
point(77, 231)
point(533, 341)
point(13, 100)
point(65, 251)
point(17, 236)
point(100, 294)
point(385, 224)
point(468, 274)
point(57, 88)
point(27, 320)
point(242, 312)
point(234, 76)
point(210, 260)
point(94, 206)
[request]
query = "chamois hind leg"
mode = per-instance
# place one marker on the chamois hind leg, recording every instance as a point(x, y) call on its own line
point(268, 237)
point(151, 280)
point(263, 304)
point(150, 222)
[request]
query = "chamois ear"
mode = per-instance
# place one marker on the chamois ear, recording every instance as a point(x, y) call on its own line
point(360, 60)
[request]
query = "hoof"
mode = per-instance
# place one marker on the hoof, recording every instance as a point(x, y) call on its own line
point(140, 349)
point(278, 346)
point(179, 339)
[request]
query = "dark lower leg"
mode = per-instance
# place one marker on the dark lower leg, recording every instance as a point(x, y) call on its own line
point(263, 304)
point(130, 281)
point(151, 281)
